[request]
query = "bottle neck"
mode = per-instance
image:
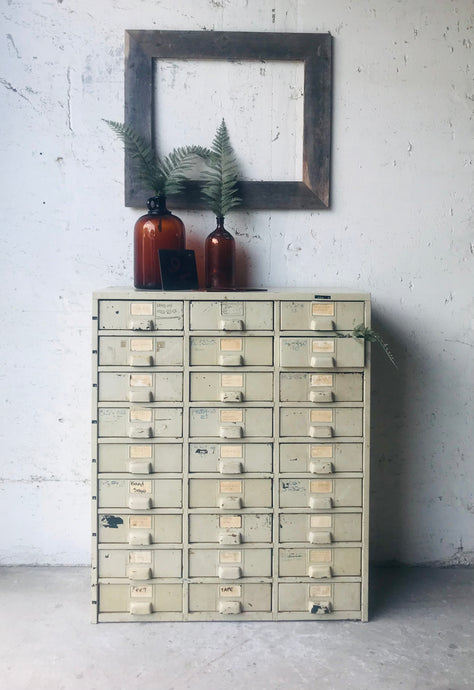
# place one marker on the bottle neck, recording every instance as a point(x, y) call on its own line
point(157, 206)
point(220, 223)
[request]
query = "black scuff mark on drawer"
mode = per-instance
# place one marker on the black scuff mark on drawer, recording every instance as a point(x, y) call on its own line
point(112, 521)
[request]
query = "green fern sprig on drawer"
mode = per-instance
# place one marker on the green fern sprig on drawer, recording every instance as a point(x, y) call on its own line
point(371, 336)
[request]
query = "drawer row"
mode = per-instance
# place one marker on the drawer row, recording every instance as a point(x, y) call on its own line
point(229, 564)
point(229, 422)
point(243, 528)
point(212, 386)
point(235, 351)
point(230, 599)
point(230, 494)
point(229, 315)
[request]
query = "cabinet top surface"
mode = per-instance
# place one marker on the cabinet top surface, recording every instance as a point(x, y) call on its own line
point(311, 293)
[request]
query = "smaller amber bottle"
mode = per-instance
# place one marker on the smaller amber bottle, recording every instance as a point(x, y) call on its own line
point(220, 258)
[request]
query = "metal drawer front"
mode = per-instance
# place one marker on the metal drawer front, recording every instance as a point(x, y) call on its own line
point(231, 351)
point(320, 458)
point(320, 494)
point(138, 422)
point(319, 599)
point(146, 315)
point(321, 353)
point(230, 458)
point(213, 597)
point(140, 351)
point(140, 530)
point(230, 423)
point(231, 387)
point(320, 528)
point(143, 564)
point(230, 494)
point(320, 563)
point(240, 528)
point(231, 316)
point(321, 316)
point(321, 422)
point(230, 564)
point(320, 387)
point(140, 387)
point(140, 458)
point(140, 599)
point(140, 494)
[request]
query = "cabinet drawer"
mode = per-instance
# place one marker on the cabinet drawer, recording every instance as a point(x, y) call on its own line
point(230, 458)
point(140, 351)
point(231, 598)
point(319, 599)
point(146, 315)
point(140, 422)
point(231, 387)
point(140, 600)
point(230, 494)
point(321, 422)
point(320, 563)
point(320, 528)
point(140, 494)
point(227, 315)
point(140, 530)
point(140, 458)
point(232, 351)
point(145, 564)
point(245, 528)
point(231, 422)
point(321, 353)
point(321, 316)
point(140, 387)
point(320, 388)
point(320, 494)
point(230, 564)
point(320, 458)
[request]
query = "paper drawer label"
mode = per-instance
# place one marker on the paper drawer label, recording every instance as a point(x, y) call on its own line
point(320, 556)
point(321, 521)
point(231, 452)
point(230, 557)
point(141, 345)
point(322, 380)
point(137, 557)
point(320, 591)
point(326, 309)
point(230, 521)
point(232, 308)
point(139, 486)
point(320, 486)
point(142, 309)
point(230, 487)
point(231, 344)
point(230, 590)
point(232, 415)
point(228, 380)
point(321, 451)
point(139, 380)
point(140, 451)
point(321, 415)
point(323, 346)
point(140, 415)
point(139, 522)
point(145, 591)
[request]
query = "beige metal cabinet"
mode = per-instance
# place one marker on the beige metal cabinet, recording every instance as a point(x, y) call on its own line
point(230, 465)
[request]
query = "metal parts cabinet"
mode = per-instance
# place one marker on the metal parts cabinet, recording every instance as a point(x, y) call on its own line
point(231, 455)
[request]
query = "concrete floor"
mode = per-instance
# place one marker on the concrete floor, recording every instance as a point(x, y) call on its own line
point(421, 636)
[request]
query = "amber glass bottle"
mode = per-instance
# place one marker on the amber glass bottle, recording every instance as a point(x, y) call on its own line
point(220, 258)
point(157, 229)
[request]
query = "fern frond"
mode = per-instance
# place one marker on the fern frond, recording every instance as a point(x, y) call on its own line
point(371, 336)
point(177, 163)
point(220, 186)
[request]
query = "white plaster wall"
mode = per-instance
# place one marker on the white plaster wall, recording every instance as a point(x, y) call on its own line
point(400, 227)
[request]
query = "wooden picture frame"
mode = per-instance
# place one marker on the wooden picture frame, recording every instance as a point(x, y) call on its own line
point(314, 50)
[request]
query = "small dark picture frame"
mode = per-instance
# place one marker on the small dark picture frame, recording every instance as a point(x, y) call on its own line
point(178, 269)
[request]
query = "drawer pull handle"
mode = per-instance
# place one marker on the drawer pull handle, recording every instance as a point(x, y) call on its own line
point(320, 571)
point(321, 467)
point(140, 432)
point(230, 502)
point(139, 538)
point(139, 467)
point(229, 572)
point(230, 431)
point(320, 537)
point(231, 325)
point(230, 466)
point(321, 396)
point(141, 608)
point(231, 396)
point(230, 538)
point(140, 396)
point(322, 324)
point(231, 360)
point(141, 324)
point(230, 608)
point(321, 431)
point(139, 502)
point(136, 572)
point(323, 361)
point(141, 360)
point(320, 502)
point(320, 608)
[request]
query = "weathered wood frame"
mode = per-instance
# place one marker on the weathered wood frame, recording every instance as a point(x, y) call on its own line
point(314, 50)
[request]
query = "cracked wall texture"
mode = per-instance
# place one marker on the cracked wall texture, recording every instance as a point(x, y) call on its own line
point(400, 226)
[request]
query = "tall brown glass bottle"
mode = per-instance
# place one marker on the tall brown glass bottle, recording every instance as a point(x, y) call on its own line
point(157, 229)
point(220, 258)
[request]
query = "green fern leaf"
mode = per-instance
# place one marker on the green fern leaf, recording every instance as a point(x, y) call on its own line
point(371, 336)
point(220, 179)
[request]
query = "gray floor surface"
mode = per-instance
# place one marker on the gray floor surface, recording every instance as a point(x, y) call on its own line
point(420, 636)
